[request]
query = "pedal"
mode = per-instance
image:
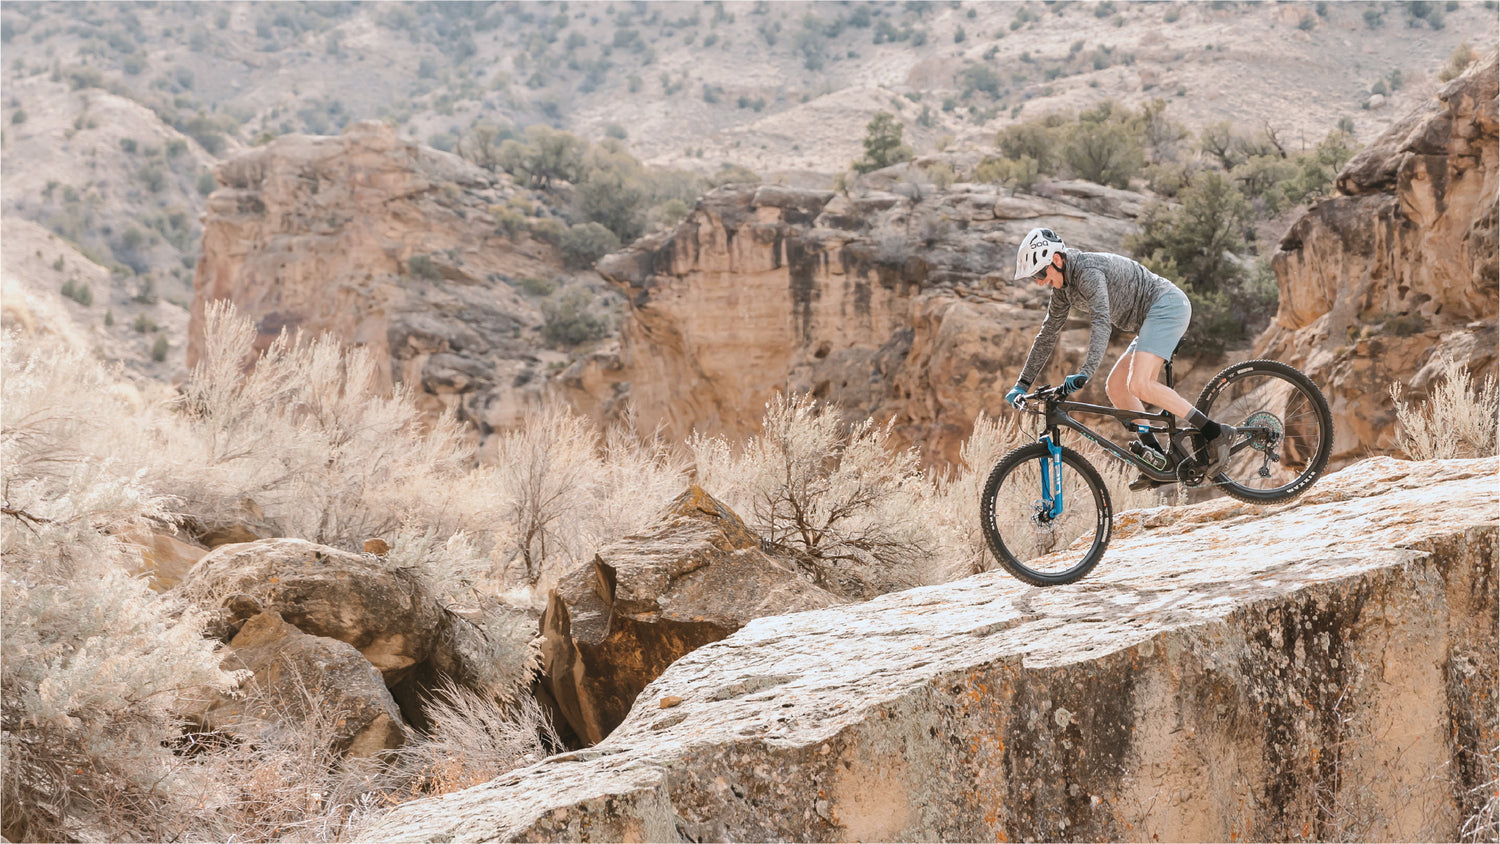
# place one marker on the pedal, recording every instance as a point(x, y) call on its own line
point(1144, 483)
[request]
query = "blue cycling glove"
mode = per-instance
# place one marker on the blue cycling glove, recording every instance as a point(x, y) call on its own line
point(1072, 384)
point(1013, 398)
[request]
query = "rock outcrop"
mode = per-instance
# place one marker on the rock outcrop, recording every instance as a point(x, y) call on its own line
point(1323, 669)
point(390, 246)
point(355, 610)
point(383, 612)
point(613, 626)
point(303, 681)
point(894, 300)
point(1400, 269)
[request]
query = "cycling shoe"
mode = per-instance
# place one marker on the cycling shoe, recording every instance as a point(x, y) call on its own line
point(1219, 449)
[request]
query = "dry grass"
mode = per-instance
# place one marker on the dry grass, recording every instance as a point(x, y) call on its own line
point(1458, 418)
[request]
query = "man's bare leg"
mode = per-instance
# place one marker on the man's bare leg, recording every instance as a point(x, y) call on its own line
point(1134, 379)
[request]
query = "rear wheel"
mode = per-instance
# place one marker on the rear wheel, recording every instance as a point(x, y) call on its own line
point(1286, 430)
point(1030, 542)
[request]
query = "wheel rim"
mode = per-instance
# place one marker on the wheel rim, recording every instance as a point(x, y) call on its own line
point(1285, 431)
point(1034, 541)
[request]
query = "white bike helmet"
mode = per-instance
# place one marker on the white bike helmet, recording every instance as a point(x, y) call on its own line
point(1037, 249)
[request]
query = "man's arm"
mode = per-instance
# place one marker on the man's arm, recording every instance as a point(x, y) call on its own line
point(1094, 288)
point(1046, 339)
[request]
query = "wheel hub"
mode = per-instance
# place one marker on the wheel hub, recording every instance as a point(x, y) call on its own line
point(1041, 519)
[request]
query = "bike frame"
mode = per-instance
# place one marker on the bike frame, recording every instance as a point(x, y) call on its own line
point(1056, 415)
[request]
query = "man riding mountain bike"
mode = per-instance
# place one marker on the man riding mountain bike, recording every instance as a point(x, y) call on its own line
point(1116, 291)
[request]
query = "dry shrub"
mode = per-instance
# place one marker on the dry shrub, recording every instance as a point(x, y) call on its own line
point(960, 491)
point(92, 662)
point(564, 489)
point(473, 739)
point(1458, 419)
point(306, 436)
point(834, 492)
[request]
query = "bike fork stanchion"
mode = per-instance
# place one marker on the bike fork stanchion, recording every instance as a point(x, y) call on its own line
point(1052, 493)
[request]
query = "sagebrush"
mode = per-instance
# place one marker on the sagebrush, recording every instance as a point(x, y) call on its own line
point(1457, 419)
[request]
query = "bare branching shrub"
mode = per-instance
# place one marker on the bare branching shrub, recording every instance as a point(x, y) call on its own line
point(1458, 419)
point(91, 662)
point(565, 489)
point(836, 493)
point(540, 470)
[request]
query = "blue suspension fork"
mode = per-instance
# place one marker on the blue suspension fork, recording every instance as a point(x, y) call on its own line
point(1052, 492)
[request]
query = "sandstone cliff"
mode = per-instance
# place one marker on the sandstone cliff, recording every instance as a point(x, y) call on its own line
point(1400, 269)
point(388, 245)
point(892, 301)
point(1322, 670)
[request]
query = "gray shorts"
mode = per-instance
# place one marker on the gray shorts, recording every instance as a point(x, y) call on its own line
point(1164, 325)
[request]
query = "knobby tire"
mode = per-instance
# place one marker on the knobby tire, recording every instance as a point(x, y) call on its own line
point(1011, 490)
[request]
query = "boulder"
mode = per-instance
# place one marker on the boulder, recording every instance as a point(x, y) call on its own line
point(384, 612)
point(166, 558)
point(698, 575)
point(1400, 268)
point(1319, 670)
point(303, 685)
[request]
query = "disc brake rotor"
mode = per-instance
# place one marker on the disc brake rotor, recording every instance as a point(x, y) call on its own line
point(1040, 522)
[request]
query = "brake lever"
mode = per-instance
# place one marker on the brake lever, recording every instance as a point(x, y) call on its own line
point(1036, 395)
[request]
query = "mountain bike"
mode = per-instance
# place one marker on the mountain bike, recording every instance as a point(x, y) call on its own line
point(1045, 511)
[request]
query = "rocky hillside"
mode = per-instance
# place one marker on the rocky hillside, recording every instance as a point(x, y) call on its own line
point(1322, 670)
point(391, 246)
point(1398, 271)
point(115, 112)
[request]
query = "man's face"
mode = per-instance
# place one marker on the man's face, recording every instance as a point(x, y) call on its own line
point(1052, 276)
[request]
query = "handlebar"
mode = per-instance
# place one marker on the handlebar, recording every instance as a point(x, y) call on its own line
point(1044, 393)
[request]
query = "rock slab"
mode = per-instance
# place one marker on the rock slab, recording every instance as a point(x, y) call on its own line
point(1321, 669)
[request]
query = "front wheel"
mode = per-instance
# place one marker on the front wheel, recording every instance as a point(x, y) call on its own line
point(1039, 539)
point(1286, 430)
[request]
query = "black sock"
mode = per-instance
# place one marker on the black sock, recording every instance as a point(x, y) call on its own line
point(1209, 427)
point(1147, 438)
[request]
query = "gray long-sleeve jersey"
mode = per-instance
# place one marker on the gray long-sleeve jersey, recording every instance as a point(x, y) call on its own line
point(1111, 288)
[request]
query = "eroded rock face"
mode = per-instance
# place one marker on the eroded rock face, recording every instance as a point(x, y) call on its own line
point(612, 627)
point(294, 673)
point(384, 613)
point(1323, 669)
point(1399, 269)
point(891, 302)
point(390, 246)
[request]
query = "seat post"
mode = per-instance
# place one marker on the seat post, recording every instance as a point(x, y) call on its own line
point(1167, 367)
